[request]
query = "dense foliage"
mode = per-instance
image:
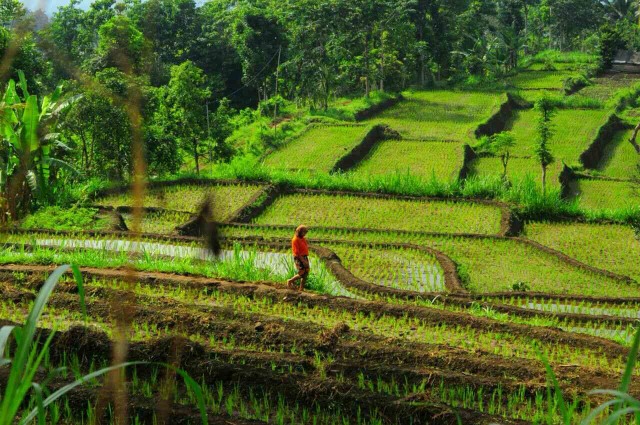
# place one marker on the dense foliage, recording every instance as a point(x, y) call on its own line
point(197, 84)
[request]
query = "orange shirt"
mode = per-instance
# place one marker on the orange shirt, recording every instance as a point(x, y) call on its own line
point(299, 246)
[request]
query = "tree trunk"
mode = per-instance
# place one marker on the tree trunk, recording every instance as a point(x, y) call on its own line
point(367, 87)
point(196, 157)
point(544, 179)
point(505, 161)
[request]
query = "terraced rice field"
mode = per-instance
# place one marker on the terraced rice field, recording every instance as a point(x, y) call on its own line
point(441, 115)
point(517, 169)
point(574, 130)
point(405, 269)
point(417, 310)
point(480, 260)
point(537, 80)
point(318, 148)
point(159, 222)
point(603, 88)
point(611, 247)
point(606, 195)
point(442, 160)
point(620, 159)
point(188, 198)
point(377, 213)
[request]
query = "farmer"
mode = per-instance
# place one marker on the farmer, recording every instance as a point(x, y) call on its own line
point(300, 257)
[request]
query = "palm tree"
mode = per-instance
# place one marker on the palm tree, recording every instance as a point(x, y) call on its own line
point(619, 9)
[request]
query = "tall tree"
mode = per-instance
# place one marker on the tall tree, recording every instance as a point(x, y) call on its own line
point(183, 109)
point(546, 112)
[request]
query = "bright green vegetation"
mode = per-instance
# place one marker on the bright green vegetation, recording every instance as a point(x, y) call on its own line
point(405, 269)
point(56, 218)
point(346, 108)
point(517, 168)
point(608, 246)
point(160, 222)
point(628, 310)
point(485, 265)
point(552, 80)
point(442, 160)
point(221, 399)
point(606, 196)
point(603, 88)
point(441, 115)
point(574, 130)
point(226, 199)
point(375, 213)
point(318, 148)
point(620, 159)
point(438, 335)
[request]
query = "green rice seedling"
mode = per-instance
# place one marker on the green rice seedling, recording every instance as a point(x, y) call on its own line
point(442, 160)
point(441, 114)
point(608, 246)
point(574, 130)
point(354, 211)
point(443, 334)
point(620, 159)
point(227, 198)
point(241, 263)
point(600, 198)
point(605, 87)
point(491, 265)
point(623, 404)
point(28, 356)
point(164, 222)
point(518, 169)
point(319, 148)
point(551, 80)
point(401, 269)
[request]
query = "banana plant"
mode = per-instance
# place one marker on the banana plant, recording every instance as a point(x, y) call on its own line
point(27, 142)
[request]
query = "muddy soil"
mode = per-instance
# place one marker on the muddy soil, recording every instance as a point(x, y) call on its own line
point(402, 359)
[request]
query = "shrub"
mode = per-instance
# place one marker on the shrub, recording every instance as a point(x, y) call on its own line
point(57, 218)
point(574, 84)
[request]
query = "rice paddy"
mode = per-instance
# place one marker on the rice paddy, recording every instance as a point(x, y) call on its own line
point(377, 213)
point(620, 159)
point(417, 310)
point(603, 195)
point(318, 148)
point(188, 198)
point(439, 160)
point(441, 115)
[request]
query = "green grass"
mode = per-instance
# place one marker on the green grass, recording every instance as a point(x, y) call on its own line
point(426, 159)
point(517, 168)
point(552, 80)
point(56, 218)
point(354, 211)
point(318, 148)
point(226, 199)
point(441, 114)
point(612, 247)
point(606, 196)
point(620, 159)
point(574, 130)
